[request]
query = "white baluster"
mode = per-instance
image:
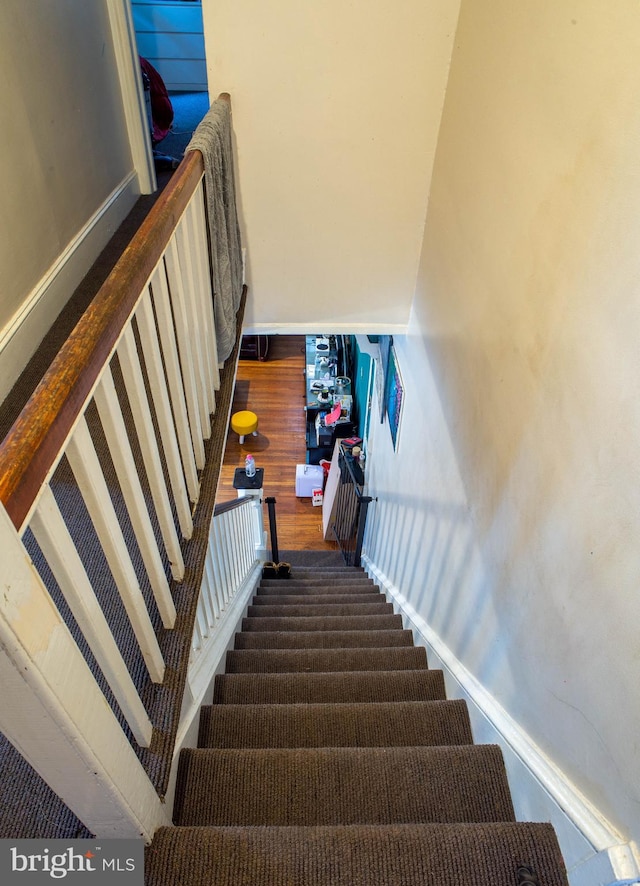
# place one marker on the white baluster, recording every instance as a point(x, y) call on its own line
point(162, 405)
point(120, 449)
point(187, 249)
point(204, 304)
point(216, 569)
point(227, 554)
point(162, 304)
point(204, 275)
point(88, 472)
point(179, 305)
point(211, 586)
point(205, 595)
point(54, 539)
point(134, 384)
point(223, 566)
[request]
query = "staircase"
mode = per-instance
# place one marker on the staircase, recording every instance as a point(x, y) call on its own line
point(330, 755)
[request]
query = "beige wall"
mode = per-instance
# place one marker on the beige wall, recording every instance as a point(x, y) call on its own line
point(523, 385)
point(336, 111)
point(64, 141)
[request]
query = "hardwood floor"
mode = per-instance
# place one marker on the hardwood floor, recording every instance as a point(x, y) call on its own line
point(274, 390)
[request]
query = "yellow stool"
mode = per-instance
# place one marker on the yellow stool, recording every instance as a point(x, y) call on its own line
point(244, 423)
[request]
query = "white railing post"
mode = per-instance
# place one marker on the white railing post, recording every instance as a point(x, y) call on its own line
point(55, 714)
point(258, 525)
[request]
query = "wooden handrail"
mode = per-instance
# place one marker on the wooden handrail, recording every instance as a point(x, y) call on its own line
point(30, 449)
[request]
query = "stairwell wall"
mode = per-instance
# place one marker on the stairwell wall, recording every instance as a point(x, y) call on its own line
point(68, 176)
point(507, 516)
point(336, 108)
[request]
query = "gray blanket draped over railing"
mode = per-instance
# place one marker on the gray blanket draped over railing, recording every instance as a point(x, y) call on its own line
point(213, 139)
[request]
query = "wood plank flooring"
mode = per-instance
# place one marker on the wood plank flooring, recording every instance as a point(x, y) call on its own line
point(274, 390)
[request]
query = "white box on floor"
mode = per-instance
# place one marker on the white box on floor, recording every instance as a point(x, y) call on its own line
point(308, 478)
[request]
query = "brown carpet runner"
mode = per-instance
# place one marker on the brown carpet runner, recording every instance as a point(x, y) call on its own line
point(347, 686)
point(323, 623)
point(269, 661)
point(322, 639)
point(331, 756)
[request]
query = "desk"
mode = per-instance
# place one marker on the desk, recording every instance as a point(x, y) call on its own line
point(325, 386)
point(322, 370)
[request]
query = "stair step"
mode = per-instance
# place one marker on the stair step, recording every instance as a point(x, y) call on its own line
point(317, 599)
point(308, 610)
point(321, 639)
point(347, 686)
point(273, 661)
point(286, 588)
point(318, 581)
point(322, 570)
point(323, 576)
point(325, 786)
point(391, 724)
point(326, 623)
point(409, 855)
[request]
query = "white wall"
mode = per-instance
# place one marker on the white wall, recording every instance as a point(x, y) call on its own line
point(523, 386)
point(336, 108)
point(64, 149)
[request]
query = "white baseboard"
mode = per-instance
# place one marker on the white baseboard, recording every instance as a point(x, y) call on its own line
point(595, 853)
point(28, 326)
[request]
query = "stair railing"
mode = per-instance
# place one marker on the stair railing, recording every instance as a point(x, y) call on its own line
point(98, 478)
point(273, 528)
point(350, 509)
point(232, 566)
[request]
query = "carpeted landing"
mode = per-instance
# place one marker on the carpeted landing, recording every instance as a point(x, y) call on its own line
point(330, 755)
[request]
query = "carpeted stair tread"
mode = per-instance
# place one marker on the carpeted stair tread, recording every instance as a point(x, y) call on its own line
point(406, 855)
point(348, 686)
point(323, 623)
point(319, 786)
point(320, 582)
point(317, 599)
point(390, 724)
point(301, 569)
point(290, 589)
point(270, 661)
point(321, 639)
point(309, 610)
